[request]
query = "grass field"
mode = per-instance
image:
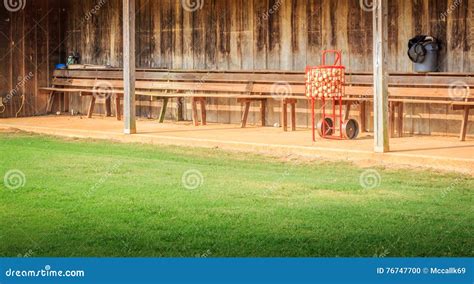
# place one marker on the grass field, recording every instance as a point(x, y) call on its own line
point(86, 198)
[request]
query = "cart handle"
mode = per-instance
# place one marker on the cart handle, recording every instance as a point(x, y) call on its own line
point(337, 57)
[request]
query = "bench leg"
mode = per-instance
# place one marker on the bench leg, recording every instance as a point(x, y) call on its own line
point(284, 115)
point(392, 120)
point(91, 107)
point(49, 106)
point(293, 116)
point(163, 110)
point(118, 110)
point(66, 102)
point(245, 115)
point(108, 106)
point(263, 112)
point(465, 121)
point(60, 102)
point(363, 110)
point(180, 109)
point(400, 119)
point(348, 111)
point(203, 111)
point(195, 112)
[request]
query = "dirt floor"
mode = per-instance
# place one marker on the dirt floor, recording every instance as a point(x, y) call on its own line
point(440, 153)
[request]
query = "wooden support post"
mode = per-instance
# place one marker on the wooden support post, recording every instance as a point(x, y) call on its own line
point(380, 23)
point(464, 123)
point(129, 66)
point(163, 110)
point(263, 112)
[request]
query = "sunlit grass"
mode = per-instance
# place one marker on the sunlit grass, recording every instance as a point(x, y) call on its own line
point(87, 198)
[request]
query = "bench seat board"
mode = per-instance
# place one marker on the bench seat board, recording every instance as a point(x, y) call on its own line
point(396, 79)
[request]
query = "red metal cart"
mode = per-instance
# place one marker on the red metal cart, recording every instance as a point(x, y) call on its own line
point(327, 84)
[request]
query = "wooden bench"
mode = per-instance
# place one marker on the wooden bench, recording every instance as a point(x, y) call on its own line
point(247, 88)
point(433, 88)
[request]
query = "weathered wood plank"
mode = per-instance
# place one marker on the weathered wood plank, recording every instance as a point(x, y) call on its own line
point(247, 34)
point(314, 45)
point(260, 41)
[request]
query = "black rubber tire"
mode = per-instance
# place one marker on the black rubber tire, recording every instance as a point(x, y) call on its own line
point(350, 129)
point(329, 130)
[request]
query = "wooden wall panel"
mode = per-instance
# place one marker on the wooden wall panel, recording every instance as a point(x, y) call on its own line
point(247, 33)
point(42, 54)
point(29, 46)
point(469, 48)
point(314, 32)
point(177, 35)
point(232, 35)
point(5, 59)
point(261, 48)
point(29, 59)
point(299, 33)
point(18, 55)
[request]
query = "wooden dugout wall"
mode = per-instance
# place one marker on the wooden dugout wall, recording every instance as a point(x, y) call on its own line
point(236, 35)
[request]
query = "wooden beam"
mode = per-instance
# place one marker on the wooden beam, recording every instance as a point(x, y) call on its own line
point(380, 22)
point(129, 66)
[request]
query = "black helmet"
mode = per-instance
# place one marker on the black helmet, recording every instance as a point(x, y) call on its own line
point(417, 47)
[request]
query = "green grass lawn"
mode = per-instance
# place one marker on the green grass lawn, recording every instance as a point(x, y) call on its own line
point(88, 198)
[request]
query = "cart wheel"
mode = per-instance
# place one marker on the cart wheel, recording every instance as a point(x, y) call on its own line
point(328, 127)
point(350, 129)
